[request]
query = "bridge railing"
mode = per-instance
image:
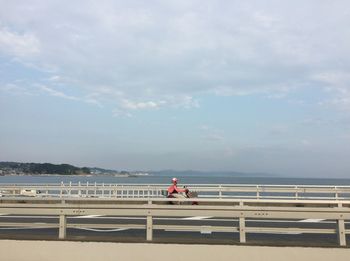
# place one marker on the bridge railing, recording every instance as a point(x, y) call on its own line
point(235, 209)
point(102, 190)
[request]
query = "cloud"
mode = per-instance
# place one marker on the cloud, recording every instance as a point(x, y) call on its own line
point(306, 142)
point(54, 78)
point(55, 93)
point(18, 44)
point(86, 99)
point(126, 104)
point(338, 84)
point(16, 89)
point(135, 56)
point(213, 137)
point(212, 134)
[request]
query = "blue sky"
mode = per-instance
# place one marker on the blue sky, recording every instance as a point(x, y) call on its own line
point(253, 86)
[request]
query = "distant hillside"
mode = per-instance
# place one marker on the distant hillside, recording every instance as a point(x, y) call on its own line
point(96, 170)
point(41, 168)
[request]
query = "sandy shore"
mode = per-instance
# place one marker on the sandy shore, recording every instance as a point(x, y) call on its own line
point(13, 250)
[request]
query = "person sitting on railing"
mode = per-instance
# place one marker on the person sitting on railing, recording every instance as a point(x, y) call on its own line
point(174, 191)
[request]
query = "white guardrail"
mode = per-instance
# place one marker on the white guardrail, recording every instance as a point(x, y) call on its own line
point(148, 201)
point(102, 190)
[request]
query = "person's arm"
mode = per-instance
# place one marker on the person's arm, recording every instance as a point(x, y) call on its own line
point(180, 190)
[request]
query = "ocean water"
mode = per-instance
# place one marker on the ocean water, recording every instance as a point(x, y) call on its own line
point(166, 179)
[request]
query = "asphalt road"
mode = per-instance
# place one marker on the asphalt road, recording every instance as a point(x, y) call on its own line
point(139, 235)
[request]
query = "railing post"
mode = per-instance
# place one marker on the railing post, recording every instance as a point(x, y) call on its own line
point(341, 232)
point(61, 190)
point(257, 192)
point(149, 225)
point(149, 232)
point(70, 188)
point(79, 190)
point(242, 236)
point(220, 191)
point(336, 192)
point(63, 227)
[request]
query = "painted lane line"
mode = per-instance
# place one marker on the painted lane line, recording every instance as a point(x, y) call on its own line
point(195, 218)
point(23, 228)
point(311, 220)
point(103, 230)
point(16, 216)
point(88, 216)
point(33, 227)
point(10, 216)
point(285, 233)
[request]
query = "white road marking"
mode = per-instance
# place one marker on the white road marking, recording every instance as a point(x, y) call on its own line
point(88, 216)
point(311, 220)
point(286, 233)
point(13, 216)
point(23, 228)
point(3, 214)
point(103, 230)
point(195, 218)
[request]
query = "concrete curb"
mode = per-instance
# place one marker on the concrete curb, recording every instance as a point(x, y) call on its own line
point(16, 250)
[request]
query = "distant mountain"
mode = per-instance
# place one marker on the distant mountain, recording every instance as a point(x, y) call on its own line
point(96, 170)
point(41, 168)
point(18, 168)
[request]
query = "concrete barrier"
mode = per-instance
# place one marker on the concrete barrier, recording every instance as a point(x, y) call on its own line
point(13, 250)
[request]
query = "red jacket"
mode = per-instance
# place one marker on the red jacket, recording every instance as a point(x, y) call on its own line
point(175, 189)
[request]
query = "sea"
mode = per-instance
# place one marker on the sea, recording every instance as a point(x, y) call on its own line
point(166, 179)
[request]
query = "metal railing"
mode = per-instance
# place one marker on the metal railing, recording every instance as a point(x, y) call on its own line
point(102, 190)
point(235, 209)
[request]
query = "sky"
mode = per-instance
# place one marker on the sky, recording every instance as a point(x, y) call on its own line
point(249, 86)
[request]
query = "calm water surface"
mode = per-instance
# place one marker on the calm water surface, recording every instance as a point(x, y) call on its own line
point(154, 179)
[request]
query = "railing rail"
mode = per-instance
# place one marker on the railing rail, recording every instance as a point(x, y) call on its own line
point(102, 190)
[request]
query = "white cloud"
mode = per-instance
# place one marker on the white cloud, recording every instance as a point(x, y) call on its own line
point(337, 83)
point(212, 134)
point(18, 45)
point(55, 93)
point(86, 99)
point(127, 104)
point(213, 137)
point(185, 101)
point(120, 113)
point(306, 143)
point(16, 89)
point(55, 78)
point(135, 56)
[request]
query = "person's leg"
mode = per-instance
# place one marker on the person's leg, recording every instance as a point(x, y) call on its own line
point(178, 195)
